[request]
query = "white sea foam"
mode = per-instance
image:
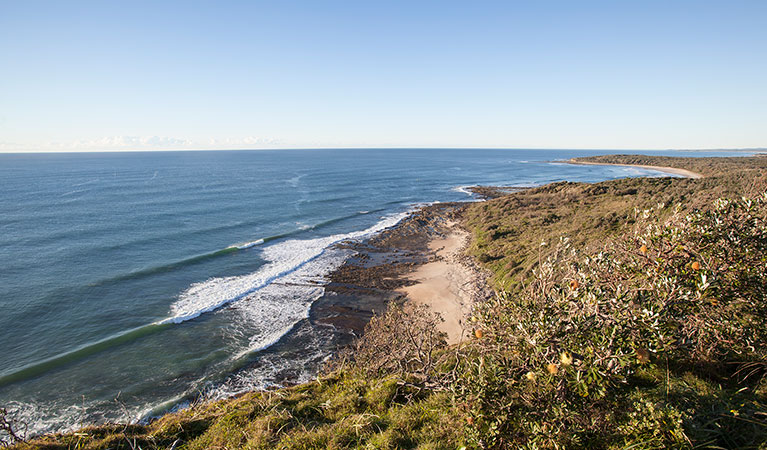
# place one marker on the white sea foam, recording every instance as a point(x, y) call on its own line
point(96, 180)
point(524, 185)
point(73, 192)
point(295, 180)
point(646, 172)
point(633, 171)
point(464, 190)
point(267, 313)
point(271, 367)
point(248, 244)
point(281, 259)
point(39, 418)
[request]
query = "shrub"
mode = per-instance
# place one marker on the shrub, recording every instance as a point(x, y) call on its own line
point(403, 341)
point(557, 357)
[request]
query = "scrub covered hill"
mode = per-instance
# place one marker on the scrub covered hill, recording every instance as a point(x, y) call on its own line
point(629, 314)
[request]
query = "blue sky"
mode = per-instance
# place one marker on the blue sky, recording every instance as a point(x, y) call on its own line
point(108, 75)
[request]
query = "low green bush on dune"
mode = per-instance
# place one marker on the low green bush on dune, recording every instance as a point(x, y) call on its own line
point(657, 340)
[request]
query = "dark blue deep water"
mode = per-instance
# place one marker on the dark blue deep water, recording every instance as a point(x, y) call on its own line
point(154, 276)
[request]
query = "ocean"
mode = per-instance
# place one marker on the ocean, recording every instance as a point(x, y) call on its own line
point(131, 283)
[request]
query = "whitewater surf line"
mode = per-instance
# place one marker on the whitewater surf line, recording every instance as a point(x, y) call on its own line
point(221, 252)
point(246, 245)
point(464, 189)
point(283, 258)
point(185, 310)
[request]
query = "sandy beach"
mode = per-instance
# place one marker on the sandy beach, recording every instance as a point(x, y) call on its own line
point(672, 170)
point(421, 260)
point(448, 284)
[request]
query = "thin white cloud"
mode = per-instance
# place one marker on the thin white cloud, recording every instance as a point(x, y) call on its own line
point(128, 143)
point(9, 146)
point(245, 143)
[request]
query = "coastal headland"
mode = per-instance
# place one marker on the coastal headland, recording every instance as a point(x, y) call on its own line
point(630, 312)
point(671, 170)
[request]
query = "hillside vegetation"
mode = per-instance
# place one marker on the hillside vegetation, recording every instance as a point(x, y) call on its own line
point(629, 314)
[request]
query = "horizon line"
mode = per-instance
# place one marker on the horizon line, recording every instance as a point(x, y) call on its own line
point(728, 149)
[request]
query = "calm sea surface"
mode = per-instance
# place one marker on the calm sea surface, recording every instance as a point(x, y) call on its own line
point(157, 276)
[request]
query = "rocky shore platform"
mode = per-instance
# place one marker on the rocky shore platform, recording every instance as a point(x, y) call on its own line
point(410, 261)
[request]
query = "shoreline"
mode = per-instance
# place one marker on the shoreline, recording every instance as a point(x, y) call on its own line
point(421, 260)
point(672, 170)
point(390, 267)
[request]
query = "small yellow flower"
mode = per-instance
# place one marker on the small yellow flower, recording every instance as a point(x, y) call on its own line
point(530, 376)
point(696, 265)
point(552, 368)
point(643, 249)
point(566, 358)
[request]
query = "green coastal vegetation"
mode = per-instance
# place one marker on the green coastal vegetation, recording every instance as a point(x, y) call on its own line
point(629, 314)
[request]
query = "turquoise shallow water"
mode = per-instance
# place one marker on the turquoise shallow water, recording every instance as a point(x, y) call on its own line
point(155, 276)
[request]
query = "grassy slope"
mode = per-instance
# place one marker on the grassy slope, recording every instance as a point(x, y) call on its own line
point(340, 411)
point(351, 410)
point(508, 231)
